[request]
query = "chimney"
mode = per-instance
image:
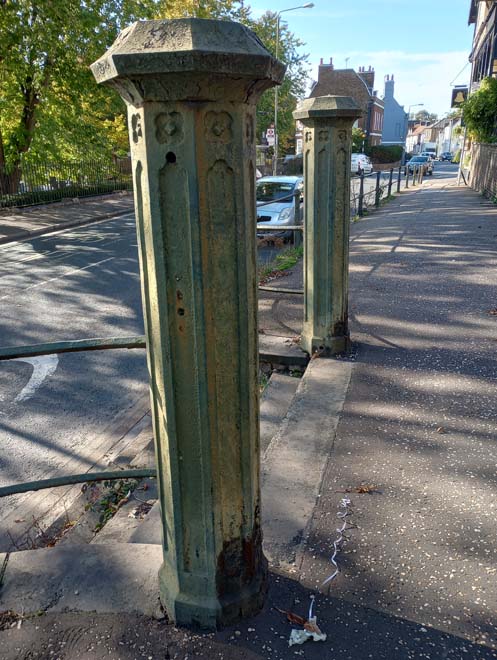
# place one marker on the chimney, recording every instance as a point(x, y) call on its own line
point(392, 77)
point(321, 62)
point(331, 62)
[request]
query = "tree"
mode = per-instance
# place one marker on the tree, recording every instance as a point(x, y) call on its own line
point(480, 112)
point(294, 83)
point(424, 115)
point(49, 103)
point(228, 9)
point(293, 86)
point(358, 137)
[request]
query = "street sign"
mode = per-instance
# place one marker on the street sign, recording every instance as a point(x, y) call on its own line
point(270, 136)
point(459, 95)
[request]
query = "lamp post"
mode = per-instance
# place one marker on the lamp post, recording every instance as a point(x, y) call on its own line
point(308, 5)
point(413, 105)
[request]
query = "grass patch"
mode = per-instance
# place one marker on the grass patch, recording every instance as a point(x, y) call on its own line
point(283, 261)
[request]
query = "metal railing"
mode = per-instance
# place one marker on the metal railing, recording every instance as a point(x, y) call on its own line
point(31, 184)
point(99, 344)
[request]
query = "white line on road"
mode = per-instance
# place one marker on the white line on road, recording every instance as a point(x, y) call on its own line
point(43, 367)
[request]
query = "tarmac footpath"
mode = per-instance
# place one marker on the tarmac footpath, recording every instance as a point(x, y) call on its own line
point(414, 456)
point(20, 223)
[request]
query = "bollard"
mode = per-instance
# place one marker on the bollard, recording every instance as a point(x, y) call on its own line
point(360, 210)
point(399, 176)
point(327, 136)
point(390, 183)
point(377, 190)
point(407, 177)
point(421, 173)
point(191, 86)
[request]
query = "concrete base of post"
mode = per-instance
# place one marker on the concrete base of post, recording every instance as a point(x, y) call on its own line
point(210, 613)
point(325, 346)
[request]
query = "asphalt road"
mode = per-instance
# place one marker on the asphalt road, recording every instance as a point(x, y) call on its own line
point(72, 285)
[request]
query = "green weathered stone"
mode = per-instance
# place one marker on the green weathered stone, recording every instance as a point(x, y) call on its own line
point(191, 86)
point(327, 137)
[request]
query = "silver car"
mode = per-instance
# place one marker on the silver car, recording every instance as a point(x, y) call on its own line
point(276, 203)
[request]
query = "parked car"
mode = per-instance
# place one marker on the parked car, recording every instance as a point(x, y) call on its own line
point(446, 155)
point(276, 203)
point(420, 161)
point(361, 164)
point(429, 154)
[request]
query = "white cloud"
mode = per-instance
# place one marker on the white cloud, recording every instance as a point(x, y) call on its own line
point(419, 77)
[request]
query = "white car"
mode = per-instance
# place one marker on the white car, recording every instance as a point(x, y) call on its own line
point(361, 164)
point(276, 203)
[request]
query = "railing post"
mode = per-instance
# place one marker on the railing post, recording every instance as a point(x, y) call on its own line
point(390, 183)
point(399, 177)
point(297, 234)
point(377, 190)
point(360, 210)
point(191, 87)
point(414, 176)
point(327, 147)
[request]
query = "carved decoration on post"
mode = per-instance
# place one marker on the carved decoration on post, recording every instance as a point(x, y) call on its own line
point(191, 86)
point(327, 217)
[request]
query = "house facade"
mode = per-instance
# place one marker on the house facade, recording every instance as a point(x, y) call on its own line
point(483, 57)
point(360, 86)
point(395, 117)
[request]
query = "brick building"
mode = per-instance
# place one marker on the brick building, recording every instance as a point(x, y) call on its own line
point(360, 86)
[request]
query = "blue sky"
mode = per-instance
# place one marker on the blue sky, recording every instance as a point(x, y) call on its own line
point(424, 43)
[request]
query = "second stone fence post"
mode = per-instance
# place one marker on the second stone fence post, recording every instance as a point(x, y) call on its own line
point(327, 124)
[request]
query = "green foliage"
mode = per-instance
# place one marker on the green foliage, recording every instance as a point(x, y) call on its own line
point(51, 107)
point(293, 87)
point(384, 153)
point(457, 157)
point(480, 112)
point(424, 115)
point(358, 137)
point(49, 102)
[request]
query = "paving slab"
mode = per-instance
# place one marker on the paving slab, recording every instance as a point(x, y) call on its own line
point(91, 578)
point(293, 466)
point(275, 403)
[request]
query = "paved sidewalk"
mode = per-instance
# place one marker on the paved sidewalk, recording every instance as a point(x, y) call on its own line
point(17, 224)
point(420, 424)
point(418, 430)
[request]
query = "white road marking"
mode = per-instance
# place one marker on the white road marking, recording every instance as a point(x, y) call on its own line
point(59, 277)
point(43, 367)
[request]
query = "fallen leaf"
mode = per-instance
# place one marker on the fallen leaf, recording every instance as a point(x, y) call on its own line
point(440, 429)
point(293, 618)
point(19, 520)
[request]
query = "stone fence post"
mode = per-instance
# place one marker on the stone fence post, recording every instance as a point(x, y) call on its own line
point(327, 124)
point(191, 86)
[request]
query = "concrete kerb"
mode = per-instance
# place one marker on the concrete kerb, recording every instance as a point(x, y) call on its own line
point(123, 577)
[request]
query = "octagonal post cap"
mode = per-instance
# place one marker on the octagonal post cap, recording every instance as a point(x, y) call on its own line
point(187, 50)
point(322, 107)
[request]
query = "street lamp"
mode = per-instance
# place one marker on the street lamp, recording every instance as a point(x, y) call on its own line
point(413, 105)
point(308, 5)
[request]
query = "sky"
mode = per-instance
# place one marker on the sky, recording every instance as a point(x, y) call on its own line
point(424, 43)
